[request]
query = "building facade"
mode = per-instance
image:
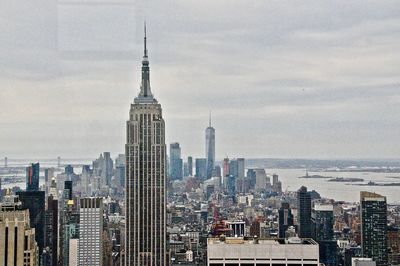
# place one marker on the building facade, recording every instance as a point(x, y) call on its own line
point(17, 238)
point(323, 220)
point(201, 168)
point(146, 178)
point(32, 177)
point(51, 232)
point(190, 165)
point(373, 214)
point(90, 247)
point(34, 201)
point(256, 252)
point(175, 162)
point(304, 213)
point(285, 219)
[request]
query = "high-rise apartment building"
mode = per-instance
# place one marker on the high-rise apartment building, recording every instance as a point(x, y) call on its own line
point(32, 177)
point(90, 247)
point(17, 238)
point(373, 213)
point(304, 213)
point(34, 201)
point(175, 162)
point(210, 149)
point(145, 198)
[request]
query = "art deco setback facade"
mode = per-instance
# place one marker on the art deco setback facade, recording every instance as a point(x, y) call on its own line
point(17, 238)
point(146, 176)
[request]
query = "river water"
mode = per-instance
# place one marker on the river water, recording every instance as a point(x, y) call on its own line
point(339, 190)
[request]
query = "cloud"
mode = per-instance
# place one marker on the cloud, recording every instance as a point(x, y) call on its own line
point(282, 78)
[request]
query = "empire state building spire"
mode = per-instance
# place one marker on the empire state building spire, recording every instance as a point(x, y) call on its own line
point(146, 172)
point(145, 95)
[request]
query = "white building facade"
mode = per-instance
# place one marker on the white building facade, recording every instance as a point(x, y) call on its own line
point(90, 247)
point(238, 251)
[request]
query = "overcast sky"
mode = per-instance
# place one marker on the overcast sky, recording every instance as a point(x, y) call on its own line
point(289, 79)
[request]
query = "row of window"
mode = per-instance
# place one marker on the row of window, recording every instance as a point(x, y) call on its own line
point(259, 264)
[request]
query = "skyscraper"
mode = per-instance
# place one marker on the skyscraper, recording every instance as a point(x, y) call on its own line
point(120, 168)
point(18, 245)
point(34, 201)
point(32, 177)
point(107, 168)
point(51, 234)
point(233, 168)
point(304, 212)
point(175, 162)
point(322, 219)
point(190, 165)
point(225, 171)
point(48, 175)
point(373, 213)
point(146, 173)
point(69, 230)
point(201, 168)
point(210, 149)
point(285, 219)
point(90, 251)
point(240, 167)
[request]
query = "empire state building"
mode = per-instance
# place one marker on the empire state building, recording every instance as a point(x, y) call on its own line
point(145, 178)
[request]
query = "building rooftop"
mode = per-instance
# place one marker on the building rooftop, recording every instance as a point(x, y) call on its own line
point(371, 196)
point(249, 240)
point(323, 207)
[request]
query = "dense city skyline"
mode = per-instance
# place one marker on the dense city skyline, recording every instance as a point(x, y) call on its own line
point(314, 80)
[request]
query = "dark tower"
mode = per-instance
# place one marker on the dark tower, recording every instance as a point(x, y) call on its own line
point(285, 219)
point(51, 234)
point(304, 213)
point(34, 201)
point(32, 177)
point(374, 227)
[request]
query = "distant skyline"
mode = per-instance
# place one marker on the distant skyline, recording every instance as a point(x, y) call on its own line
point(283, 79)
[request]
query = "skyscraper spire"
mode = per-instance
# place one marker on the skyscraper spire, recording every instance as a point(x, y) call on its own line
point(145, 40)
point(145, 95)
point(209, 120)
